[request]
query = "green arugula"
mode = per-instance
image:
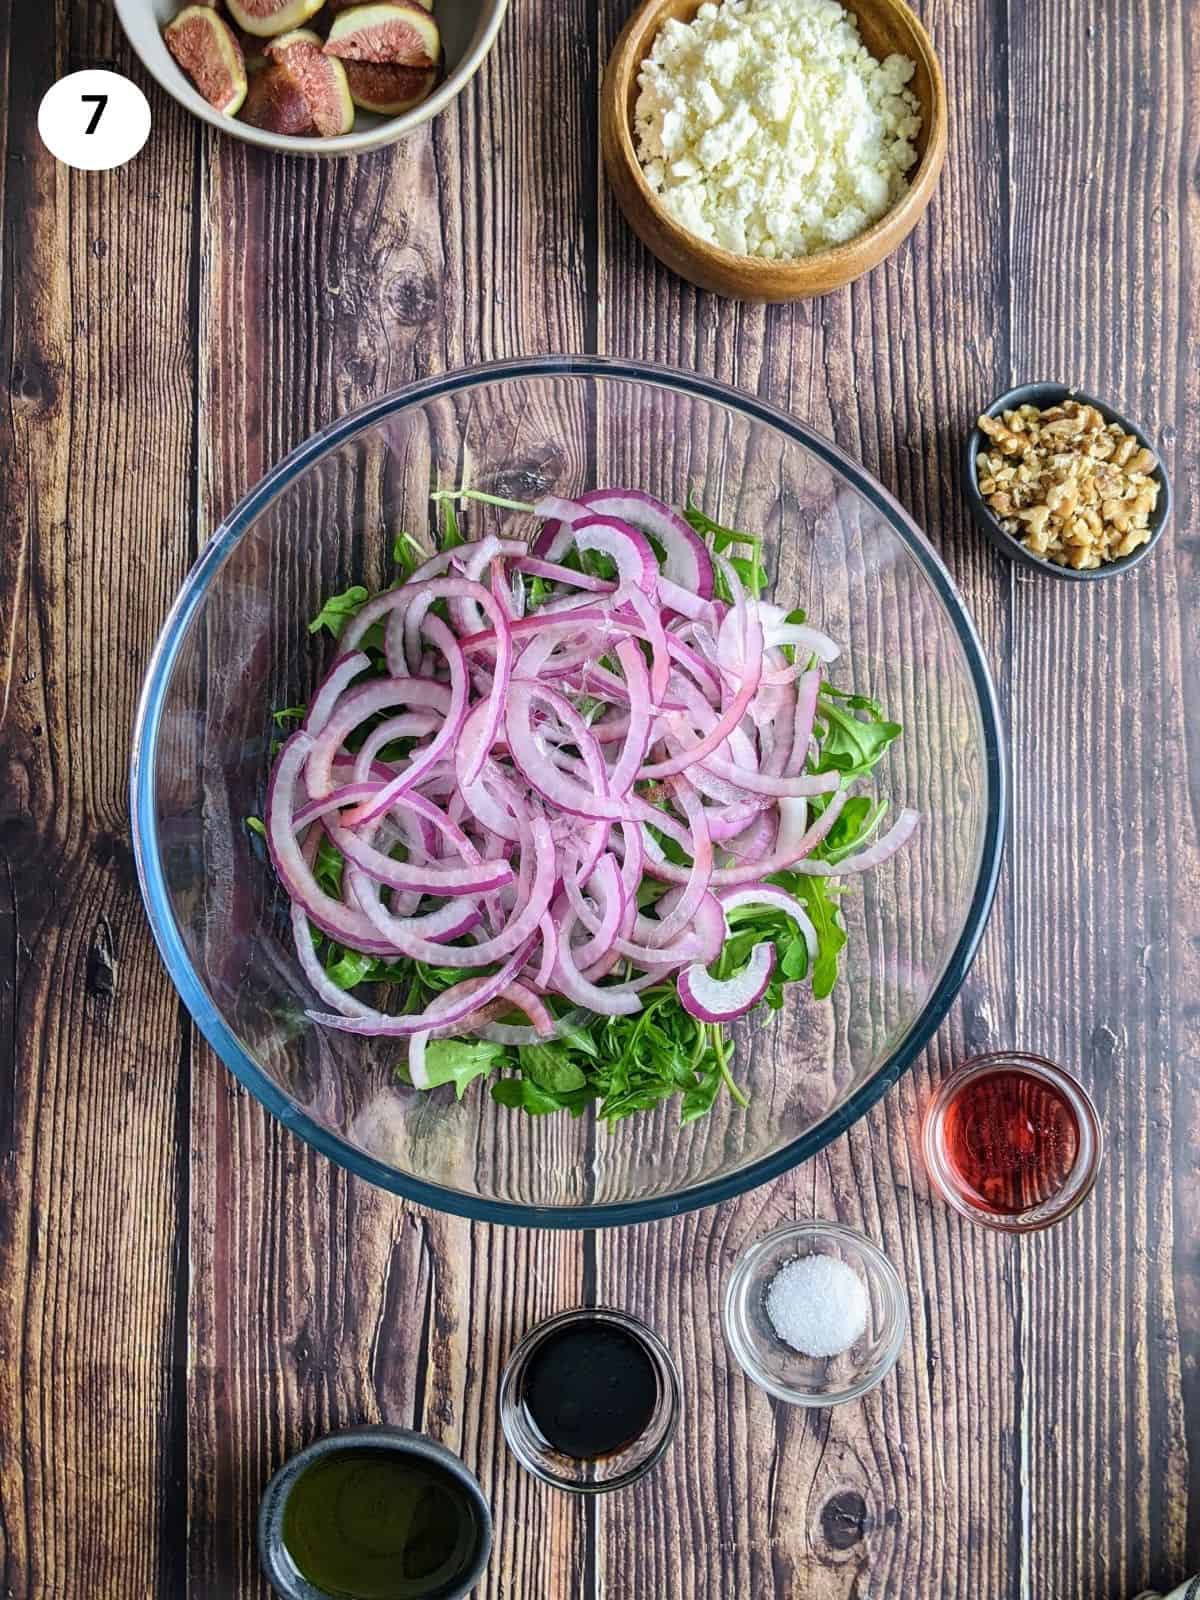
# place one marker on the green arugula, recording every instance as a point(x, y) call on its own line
point(748, 568)
point(338, 610)
point(460, 1062)
point(852, 733)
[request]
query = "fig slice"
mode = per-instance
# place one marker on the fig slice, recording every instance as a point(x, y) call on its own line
point(205, 48)
point(334, 6)
point(266, 18)
point(399, 32)
point(276, 103)
point(320, 79)
point(380, 86)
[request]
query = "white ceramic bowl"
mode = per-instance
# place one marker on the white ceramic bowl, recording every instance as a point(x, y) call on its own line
point(468, 28)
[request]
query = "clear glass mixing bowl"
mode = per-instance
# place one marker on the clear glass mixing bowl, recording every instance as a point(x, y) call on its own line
point(236, 645)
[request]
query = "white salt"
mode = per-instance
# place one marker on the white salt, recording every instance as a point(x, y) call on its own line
point(818, 1305)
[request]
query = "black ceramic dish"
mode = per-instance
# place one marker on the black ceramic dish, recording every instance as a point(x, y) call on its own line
point(1045, 395)
point(281, 1571)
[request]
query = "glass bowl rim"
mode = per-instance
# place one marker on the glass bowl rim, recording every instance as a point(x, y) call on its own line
point(522, 1353)
point(146, 834)
point(733, 1305)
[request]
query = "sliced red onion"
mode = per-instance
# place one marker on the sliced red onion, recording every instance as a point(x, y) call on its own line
point(882, 850)
point(344, 670)
point(513, 1034)
point(452, 1005)
point(425, 877)
point(668, 928)
point(516, 805)
point(382, 694)
point(720, 729)
point(605, 888)
point(778, 631)
point(755, 782)
point(723, 999)
point(687, 560)
point(807, 690)
point(630, 550)
point(342, 922)
point(614, 1001)
point(423, 759)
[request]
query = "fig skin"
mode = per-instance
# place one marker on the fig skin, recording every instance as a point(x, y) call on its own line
point(276, 103)
point(395, 32)
point(389, 90)
point(332, 7)
point(320, 79)
point(205, 48)
point(267, 18)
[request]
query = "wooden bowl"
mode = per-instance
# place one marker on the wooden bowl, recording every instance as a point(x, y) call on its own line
point(887, 27)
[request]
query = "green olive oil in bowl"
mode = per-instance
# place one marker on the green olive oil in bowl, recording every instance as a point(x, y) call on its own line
point(374, 1514)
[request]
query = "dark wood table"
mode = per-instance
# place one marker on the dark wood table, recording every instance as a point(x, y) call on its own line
point(187, 1294)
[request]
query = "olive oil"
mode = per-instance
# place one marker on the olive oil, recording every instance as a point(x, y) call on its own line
point(372, 1524)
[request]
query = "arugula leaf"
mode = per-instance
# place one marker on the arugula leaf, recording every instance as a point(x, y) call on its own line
point(408, 554)
point(859, 819)
point(451, 533)
point(831, 936)
point(699, 1098)
point(749, 569)
point(852, 736)
point(539, 591)
point(256, 825)
point(720, 536)
point(349, 968)
point(551, 1068)
point(338, 609)
point(460, 1062)
point(523, 1094)
point(327, 868)
point(289, 714)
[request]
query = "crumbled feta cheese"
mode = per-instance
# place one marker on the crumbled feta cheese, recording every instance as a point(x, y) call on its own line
point(768, 128)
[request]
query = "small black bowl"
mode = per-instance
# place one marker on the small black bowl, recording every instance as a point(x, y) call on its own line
point(1045, 395)
point(278, 1565)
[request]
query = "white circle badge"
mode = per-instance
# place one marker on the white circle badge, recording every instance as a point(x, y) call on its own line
point(94, 120)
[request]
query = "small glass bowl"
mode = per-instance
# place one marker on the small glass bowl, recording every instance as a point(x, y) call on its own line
point(1079, 1181)
point(614, 1471)
point(786, 1373)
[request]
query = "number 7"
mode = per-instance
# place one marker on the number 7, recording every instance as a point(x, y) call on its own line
point(99, 101)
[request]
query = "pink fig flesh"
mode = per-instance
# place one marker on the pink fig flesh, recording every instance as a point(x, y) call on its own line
point(398, 32)
point(266, 18)
point(205, 48)
point(320, 78)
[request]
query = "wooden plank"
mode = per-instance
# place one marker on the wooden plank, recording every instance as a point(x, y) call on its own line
point(1108, 913)
point(94, 436)
point(318, 1301)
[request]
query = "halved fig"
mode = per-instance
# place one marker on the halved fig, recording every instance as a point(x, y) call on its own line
point(205, 47)
point(320, 79)
point(334, 6)
point(398, 32)
point(380, 86)
point(276, 103)
point(266, 18)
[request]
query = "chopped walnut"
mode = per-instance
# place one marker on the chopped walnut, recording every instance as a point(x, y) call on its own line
point(1072, 488)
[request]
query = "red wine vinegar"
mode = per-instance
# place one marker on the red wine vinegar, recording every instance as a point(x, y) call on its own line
point(1009, 1140)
